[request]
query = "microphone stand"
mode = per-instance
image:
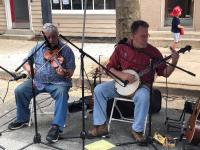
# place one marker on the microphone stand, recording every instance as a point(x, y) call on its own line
point(13, 75)
point(83, 54)
point(10, 73)
point(154, 63)
point(37, 137)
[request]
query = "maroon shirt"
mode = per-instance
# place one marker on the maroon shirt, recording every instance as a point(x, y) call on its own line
point(126, 57)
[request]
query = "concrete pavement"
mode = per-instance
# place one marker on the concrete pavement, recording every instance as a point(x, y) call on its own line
point(181, 87)
point(13, 51)
point(119, 132)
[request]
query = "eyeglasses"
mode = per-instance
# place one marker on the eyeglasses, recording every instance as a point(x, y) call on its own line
point(144, 36)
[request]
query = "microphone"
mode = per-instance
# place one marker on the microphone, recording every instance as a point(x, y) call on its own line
point(22, 76)
point(46, 40)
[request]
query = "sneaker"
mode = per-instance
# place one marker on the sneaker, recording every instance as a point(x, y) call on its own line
point(53, 134)
point(98, 131)
point(17, 125)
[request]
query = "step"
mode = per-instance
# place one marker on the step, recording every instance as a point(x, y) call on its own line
point(19, 32)
point(18, 37)
point(168, 34)
point(166, 42)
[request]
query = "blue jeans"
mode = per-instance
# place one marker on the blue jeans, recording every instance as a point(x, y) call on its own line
point(23, 96)
point(105, 91)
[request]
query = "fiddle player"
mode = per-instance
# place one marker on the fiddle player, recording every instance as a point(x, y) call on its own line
point(50, 79)
point(129, 55)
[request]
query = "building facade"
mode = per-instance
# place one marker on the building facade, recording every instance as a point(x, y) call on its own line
point(68, 15)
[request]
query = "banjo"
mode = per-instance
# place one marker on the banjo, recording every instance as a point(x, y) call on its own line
point(129, 89)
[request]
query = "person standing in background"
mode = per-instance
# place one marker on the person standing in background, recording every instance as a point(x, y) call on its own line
point(176, 27)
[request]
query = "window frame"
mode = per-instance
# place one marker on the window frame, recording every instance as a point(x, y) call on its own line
point(89, 11)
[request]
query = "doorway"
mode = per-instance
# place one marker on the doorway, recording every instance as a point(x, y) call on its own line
point(19, 14)
point(187, 14)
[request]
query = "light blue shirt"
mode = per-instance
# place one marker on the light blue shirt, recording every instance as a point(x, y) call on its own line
point(46, 74)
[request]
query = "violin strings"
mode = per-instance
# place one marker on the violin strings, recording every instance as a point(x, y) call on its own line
point(50, 58)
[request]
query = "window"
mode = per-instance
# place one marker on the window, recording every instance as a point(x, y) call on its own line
point(79, 4)
point(110, 4)
point(187, 13)
point(99, 4)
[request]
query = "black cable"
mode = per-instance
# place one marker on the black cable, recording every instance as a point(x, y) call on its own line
point(90, 85)
point(3, 99)
point(105, 115)
point(47, 104)
point(166, 100)
point(43, 100)
point(40, 102)
point(6, 130)
point(7, 113)
point(15, 109)
point(7, 122)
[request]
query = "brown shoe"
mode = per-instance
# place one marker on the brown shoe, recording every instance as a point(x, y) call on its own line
point(138, 137)
point(97, 131)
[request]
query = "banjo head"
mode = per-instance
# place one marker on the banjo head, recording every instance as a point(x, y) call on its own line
point(129, 89)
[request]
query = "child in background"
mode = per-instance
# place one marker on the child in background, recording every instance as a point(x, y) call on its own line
point(176, 27)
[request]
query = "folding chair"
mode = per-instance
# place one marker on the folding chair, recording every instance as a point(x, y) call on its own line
point(41, 112)
point(122, 118)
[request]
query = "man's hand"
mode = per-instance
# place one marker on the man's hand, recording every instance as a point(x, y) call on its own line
point(64, 72)
point(129, 77)
point(60, 71)
point(175, 56)
point(124, 76)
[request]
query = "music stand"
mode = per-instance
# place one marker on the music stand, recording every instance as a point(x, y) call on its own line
point(83, 54)
point(154, 63)
point(37, 137)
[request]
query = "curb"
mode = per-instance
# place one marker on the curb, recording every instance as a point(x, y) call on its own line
point(173, 88)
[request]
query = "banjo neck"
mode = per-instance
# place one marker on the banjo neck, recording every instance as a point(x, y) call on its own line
point(148, 69)
point(129, 89)
point(161, 61)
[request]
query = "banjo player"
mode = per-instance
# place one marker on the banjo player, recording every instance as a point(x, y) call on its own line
point(129, 57)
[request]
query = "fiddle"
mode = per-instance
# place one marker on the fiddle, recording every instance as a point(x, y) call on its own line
point(54, 58)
